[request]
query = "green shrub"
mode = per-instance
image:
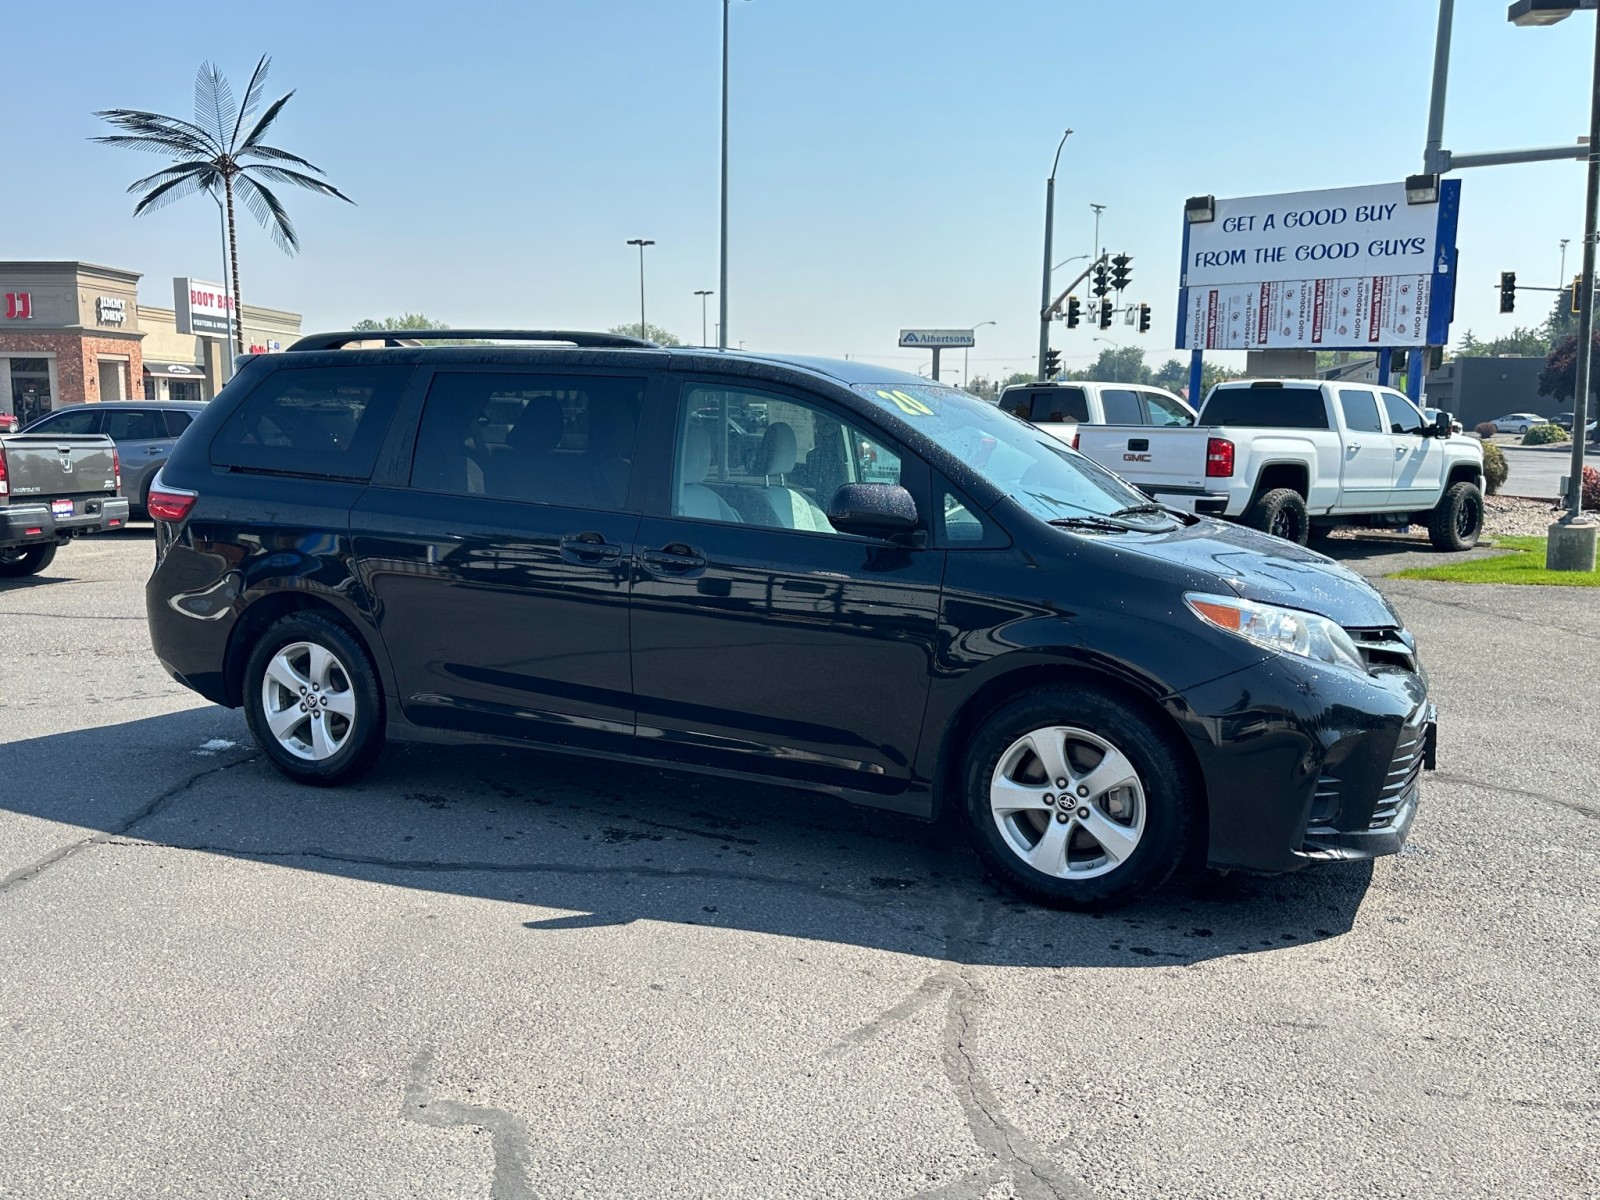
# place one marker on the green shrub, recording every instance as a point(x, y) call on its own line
point(1484, 429)
point(1544, 435)
point(1495, 469)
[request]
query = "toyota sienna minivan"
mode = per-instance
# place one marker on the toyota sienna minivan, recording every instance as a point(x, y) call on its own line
point(818, 573)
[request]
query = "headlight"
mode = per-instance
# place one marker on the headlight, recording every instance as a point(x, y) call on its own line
point(1285, 629)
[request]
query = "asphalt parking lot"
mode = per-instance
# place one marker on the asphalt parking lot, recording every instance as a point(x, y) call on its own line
point(501, 974)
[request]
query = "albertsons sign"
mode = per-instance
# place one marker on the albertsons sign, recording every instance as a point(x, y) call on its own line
point(1340, 269)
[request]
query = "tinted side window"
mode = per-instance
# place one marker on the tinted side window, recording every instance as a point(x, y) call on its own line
point(312, 421)
point(1163, 410)
point(1055, 405)
point(177, 422)
point(134, 425)
point(542, 437)
point(1360, 408)
point(1267, 407)
point(81, 419)
point(1402, 418)
point(1122, 406)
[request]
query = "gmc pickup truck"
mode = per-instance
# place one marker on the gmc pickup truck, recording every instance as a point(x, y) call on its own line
point(1059, 408)
point(52, 489)
point(1297, 458)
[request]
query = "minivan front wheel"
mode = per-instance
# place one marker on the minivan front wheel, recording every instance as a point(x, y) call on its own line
point(1075, 799)
point(312, 701)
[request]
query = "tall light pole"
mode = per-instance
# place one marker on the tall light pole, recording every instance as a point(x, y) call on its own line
point(965, 378)
point(641, 243)
point(1098, 209)
point(1049, 231)
point(722, 273)
point(1571, 543)
point(1561, 279)
point(703, 293)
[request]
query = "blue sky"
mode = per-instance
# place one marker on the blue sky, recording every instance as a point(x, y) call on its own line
point(888, 156)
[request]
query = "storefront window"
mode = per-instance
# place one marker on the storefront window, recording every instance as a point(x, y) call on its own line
point(30, 389)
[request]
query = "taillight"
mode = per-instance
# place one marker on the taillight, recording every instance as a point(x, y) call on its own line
point(169, 503)
point(116, 467)
point(1074, 439)
point(5, 480)
point(1219, 458)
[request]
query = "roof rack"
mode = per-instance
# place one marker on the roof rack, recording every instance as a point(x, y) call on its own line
point(415, 337)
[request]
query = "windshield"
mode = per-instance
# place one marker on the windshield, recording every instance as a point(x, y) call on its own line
point(1036, 470)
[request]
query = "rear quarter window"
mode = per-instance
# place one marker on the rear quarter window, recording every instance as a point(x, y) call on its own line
point(1267, 408)
point(312, 421)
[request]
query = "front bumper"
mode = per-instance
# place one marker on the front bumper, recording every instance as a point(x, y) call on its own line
point(31, 523)
point(1305, 763)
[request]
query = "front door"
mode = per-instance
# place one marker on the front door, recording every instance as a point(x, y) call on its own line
point(499, 573)
point(1418, 460)
point(1367, 478)
point(763, 639)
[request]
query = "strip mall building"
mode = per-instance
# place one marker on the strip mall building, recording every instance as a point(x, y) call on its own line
point(76, 333)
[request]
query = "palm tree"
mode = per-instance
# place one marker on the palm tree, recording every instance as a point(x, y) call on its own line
point(210, 155)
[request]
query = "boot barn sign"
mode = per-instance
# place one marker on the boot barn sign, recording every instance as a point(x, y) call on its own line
point(201, 308)
point(1346, 269)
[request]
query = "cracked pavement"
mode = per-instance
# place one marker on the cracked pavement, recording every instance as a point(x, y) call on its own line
point(487, 973)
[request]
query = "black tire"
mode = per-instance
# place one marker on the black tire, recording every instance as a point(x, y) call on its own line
point(1167, 800)
point(25, 560)
point(1282, 513)
point(354, 739)
point(1456, 522)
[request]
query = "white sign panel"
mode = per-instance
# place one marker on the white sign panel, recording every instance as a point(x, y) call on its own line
point(1343, 268)
point(943, 339)
point(200, 307)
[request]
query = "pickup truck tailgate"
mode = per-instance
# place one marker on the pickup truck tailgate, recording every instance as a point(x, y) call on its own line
point(44, 465)
point(1150, 456)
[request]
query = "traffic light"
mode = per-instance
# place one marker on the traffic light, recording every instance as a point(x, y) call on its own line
point(1052, 364)
point(1144, 318)
point(1121, 267)
point(1577, 292)
point(1074, 312)
point(1508, 291)
point(1100, 287)
point(1105, 314)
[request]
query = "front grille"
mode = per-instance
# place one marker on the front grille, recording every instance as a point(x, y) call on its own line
point(1401, 781)
point(1384, 647)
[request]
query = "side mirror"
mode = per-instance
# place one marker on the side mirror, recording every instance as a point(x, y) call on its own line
point(1442, 425)
point(880, 510)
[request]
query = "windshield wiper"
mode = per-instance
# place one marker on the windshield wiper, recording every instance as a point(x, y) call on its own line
point(1151, 507)
point(1097, 522)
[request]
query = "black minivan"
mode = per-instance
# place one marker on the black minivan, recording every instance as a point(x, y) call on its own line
point(826, 574)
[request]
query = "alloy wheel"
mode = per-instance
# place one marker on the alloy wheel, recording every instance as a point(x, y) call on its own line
point(308, 701)
point(1067, 802)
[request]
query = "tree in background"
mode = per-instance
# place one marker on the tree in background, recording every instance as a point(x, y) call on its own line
point(652, 333)
point(1529, 341)
point(403, 321)
point(210, 155)
point(1116, 364)
point(1174, 376)
point(1559, 378)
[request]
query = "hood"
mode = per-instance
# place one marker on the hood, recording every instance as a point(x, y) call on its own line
point(1269, 570)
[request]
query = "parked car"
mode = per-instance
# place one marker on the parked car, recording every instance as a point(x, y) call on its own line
point(971, 617)
point(1059, 408)
point(1518, 422)
point(53, 489)
point(1295, 458)
point(144, 432)
point(8, 422)
point(1566, 419)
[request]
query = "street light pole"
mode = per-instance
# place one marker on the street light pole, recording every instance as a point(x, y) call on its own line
point(1580, 393)
point(1098, 209)
point(1049, 231)
point(722, 273)
point(703, 293)
point(641, 243)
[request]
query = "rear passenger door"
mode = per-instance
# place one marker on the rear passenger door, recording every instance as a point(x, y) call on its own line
point(499, 559)
point(763, 639)
point(143, 444)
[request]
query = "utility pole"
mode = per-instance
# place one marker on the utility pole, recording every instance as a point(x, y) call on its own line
point(641, 243)
point(1049, 230)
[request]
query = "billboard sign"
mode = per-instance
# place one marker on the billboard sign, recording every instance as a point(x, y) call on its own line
point(1344, 269)
point(937, 339)
point(201, 308)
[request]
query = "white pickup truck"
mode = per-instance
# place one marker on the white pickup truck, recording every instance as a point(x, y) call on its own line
point(1297, 458)
point(1059, 408)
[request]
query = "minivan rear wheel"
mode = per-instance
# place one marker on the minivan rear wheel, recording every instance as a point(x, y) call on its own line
point(1076, 799)
point(312, 701)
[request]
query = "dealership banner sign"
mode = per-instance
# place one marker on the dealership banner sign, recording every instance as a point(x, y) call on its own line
point(1345, 269)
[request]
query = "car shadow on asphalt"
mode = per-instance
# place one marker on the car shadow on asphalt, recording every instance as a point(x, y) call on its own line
point(570, 843)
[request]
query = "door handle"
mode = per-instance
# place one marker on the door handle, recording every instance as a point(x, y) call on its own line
point(675, 559)
point(588, 548)
point(1352, 447)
